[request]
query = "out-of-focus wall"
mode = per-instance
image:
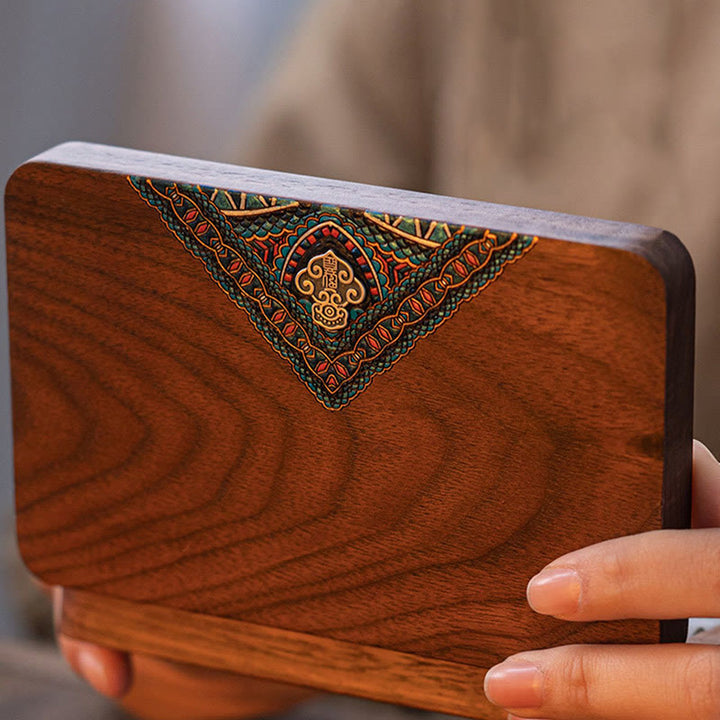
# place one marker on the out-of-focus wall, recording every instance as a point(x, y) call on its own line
point(175, 76)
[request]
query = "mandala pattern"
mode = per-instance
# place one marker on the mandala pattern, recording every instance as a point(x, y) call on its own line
point(341, 294)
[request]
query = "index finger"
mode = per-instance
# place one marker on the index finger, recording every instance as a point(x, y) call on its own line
point(638, 576)
point(663, 574)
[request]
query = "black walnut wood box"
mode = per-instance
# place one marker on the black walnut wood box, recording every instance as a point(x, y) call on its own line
point(324, 433)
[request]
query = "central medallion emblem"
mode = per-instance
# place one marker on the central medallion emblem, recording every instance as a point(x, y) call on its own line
point(331, 283)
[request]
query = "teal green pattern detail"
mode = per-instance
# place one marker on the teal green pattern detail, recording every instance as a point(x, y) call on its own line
point(414, 274)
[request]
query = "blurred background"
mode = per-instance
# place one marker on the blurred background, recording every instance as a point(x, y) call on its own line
point(174, 76)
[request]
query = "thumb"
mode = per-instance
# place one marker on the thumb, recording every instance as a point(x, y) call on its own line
point(107, 671)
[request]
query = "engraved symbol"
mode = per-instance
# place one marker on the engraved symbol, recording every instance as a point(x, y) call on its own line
point(332, 284)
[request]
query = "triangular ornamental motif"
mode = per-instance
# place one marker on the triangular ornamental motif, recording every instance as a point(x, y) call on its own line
point(341, 294)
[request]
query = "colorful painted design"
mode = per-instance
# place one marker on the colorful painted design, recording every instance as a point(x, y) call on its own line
point(341, 294)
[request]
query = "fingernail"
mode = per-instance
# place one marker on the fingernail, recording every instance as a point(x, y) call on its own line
point(93, 670)
point(555, 591)
point(514, 684)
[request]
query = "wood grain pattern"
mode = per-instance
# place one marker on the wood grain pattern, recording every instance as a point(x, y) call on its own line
point(166, 455)
point(295, 658)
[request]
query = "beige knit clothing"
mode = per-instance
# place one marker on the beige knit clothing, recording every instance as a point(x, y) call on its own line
point(609, 108)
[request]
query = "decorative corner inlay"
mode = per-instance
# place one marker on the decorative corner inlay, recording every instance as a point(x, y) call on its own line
point(341, 294)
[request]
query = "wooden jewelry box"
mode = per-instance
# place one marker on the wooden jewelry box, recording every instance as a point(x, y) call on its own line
point(325, 433)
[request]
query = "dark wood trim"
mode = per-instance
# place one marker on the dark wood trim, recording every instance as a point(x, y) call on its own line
point(562, 226)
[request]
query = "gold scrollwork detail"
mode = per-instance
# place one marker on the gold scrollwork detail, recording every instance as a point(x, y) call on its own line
point(331, 283)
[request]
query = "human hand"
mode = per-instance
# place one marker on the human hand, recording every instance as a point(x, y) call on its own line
point(663, 574)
